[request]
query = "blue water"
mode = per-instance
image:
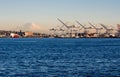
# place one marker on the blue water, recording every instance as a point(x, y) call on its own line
point(84, 57)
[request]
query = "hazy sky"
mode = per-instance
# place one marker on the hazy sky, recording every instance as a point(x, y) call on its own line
point(44, 13)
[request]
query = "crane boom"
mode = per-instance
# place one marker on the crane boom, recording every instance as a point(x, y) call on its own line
point(80, 24)
point(92, 25)
point(104, 26)
point(62, 23)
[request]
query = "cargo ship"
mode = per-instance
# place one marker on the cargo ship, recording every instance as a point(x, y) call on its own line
point(14, 35)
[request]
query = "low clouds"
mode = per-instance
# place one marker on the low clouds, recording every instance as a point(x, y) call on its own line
point(25, 27)
point(33, 27)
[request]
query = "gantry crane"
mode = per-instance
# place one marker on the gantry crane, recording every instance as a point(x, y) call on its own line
point(97, 29)
point(69, 28)
point(107, 30)
point(85, 34)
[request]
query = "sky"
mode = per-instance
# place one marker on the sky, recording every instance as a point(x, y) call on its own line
point(43, 14)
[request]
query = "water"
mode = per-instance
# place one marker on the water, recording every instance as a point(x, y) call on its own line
point(84, 57)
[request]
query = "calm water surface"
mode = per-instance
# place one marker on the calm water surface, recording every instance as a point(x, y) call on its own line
point(84, 57)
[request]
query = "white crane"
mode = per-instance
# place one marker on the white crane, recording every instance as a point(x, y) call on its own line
point(85, 34)
point(108, 31)
point(97, 29)
point(69, 28)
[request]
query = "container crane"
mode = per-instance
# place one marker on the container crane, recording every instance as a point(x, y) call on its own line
point(68, 27)
point(107, 30)
point(97, 29)
point(85, 34)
